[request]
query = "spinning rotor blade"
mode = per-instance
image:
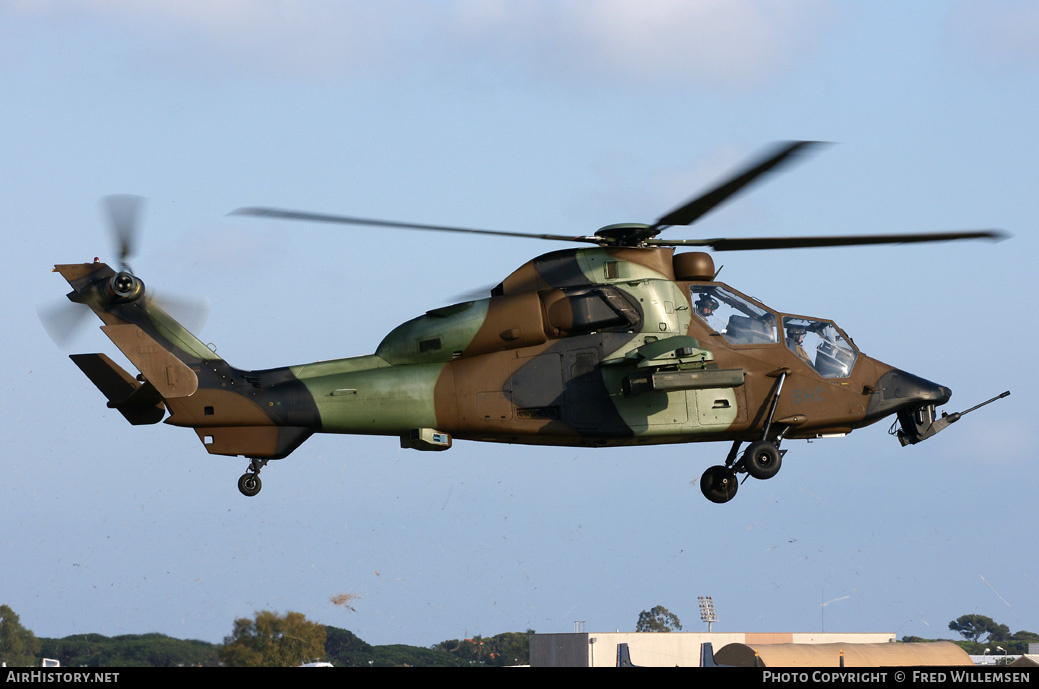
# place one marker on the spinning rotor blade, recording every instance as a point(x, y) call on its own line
point(703, 204)
point(481, 292)
point(640, 235)
point(63, 322)
point(346, 220)
point(191, 312)
point(753, 243)
point(124, 212)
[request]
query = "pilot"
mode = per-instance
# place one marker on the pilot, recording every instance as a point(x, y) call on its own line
point(795, 337)
point(706, 305)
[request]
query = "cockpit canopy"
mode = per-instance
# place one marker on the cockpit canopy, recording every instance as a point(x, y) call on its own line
point(821, 345)
point(740, 320)
point(737, 318)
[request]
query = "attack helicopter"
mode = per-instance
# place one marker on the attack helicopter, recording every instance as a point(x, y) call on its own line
point(621, 343)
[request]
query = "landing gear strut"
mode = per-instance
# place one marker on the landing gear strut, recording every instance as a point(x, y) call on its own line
point(762, 458)
point(249, 483)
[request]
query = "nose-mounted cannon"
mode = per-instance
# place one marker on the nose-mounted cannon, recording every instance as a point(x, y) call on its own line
point(919, 423)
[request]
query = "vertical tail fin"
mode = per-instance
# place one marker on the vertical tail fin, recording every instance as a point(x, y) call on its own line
point(259, 414)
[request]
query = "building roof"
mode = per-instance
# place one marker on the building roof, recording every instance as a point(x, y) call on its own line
point(1026, 660)
point(855, 655)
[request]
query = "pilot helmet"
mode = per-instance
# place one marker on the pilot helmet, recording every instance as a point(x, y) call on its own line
point(796, 332)
point(706, 305)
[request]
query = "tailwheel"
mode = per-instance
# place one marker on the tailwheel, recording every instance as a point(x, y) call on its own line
point(762, 459)
point(249, 484)
point(718, 484)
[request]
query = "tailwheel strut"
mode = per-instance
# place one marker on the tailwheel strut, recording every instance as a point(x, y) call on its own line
point(249, 483)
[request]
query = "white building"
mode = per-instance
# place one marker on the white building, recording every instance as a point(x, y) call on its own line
point(664, 649)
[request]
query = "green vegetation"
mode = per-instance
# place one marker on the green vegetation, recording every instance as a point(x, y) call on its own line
point(129, 650)
point(268, 639)
point(659, 619)
point(973, 627)
point(18, 646)
point(273, 640)
point(510, 648)
point(345, 649)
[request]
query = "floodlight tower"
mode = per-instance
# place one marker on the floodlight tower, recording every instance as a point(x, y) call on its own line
point(707, 611)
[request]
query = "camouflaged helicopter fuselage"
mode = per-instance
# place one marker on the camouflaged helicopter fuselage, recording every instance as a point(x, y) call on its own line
point(540, 362)
point(580, 347)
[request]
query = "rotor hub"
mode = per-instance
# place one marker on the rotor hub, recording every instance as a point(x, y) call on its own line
point(125, 286)
point(626, 233)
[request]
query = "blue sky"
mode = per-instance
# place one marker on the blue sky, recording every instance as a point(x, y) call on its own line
point(527, 116)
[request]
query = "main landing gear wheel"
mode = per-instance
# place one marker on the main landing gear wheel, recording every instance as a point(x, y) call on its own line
point(762, 459)
point(249, 484)
point(718, 484)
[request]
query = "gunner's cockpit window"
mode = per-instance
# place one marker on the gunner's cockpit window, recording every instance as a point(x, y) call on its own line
point(735, 317)
point(821, 345)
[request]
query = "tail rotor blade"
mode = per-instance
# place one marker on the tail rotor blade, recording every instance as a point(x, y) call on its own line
point(188, 311)
point(63, 322)
point(124, 213)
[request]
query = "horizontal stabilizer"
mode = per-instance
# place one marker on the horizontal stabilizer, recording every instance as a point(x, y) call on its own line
point(139, 402)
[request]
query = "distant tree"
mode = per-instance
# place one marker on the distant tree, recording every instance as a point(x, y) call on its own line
point(399, 655)
point(508, 648)
point(972, 627)
point(129, 650)
point(659, 619)
point(272, 640)
point(19, 647)
point(512, 648)
point(345, 649)
point(1026, 636)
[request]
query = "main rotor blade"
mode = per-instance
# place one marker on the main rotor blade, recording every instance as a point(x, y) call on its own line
point(347, 220)
point(124, 212)
point(754, 243)
point(706, 202)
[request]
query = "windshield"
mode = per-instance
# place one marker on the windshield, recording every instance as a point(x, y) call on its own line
point(821, 345)
point(741, 320)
